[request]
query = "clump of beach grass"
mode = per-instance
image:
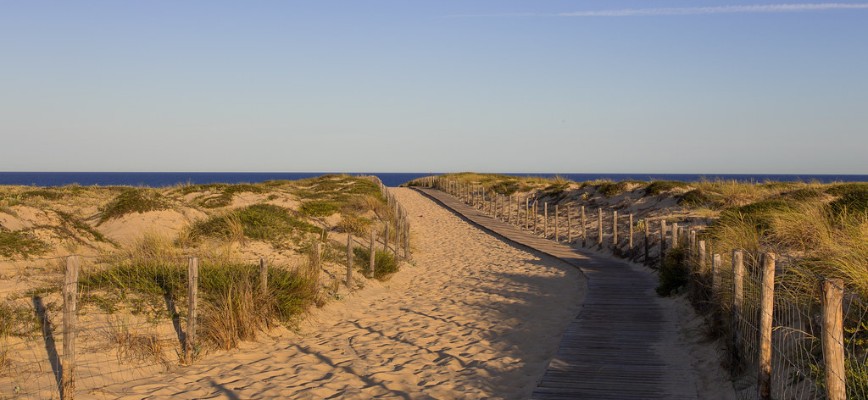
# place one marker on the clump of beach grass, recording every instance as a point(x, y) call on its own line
point(234, 307)
point(259, 221)
point(385, 264)
point(134, 200)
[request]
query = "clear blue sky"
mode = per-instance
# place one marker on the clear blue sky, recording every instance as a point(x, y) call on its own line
point(445, 85)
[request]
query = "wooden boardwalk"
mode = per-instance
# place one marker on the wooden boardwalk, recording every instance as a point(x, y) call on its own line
point(610, 350)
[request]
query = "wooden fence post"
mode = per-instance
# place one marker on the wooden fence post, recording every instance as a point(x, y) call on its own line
point(557, 234)
point(833, 339)
point(373, 256)
point(737, 304)
point(764, 377)
point(630, 239)
point(508, 209)
point(350, 258)
point(716, 262)
point(534, 211)
point(545, 219)
point(263, 276)
point(386, 238)
point(70, 326)
point(647, 243)
point(600, 226)
point(517, 212)
point(569, 223)
point(662, 240)
point(584, 229)
point(691, 243)
point(526, 213)
point(675, 235)
point(614, 229)
point(192, 307)
point(700, 267)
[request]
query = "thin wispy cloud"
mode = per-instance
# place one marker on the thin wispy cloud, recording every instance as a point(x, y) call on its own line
point(675, 11)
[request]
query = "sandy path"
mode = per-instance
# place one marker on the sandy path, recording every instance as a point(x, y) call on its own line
point(474, 317)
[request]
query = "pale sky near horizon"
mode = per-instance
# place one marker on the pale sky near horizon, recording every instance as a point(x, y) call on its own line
point(534, 86)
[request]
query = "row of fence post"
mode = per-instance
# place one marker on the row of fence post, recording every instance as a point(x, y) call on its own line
point(538, 219)
point(832, 326)
point(832, 316)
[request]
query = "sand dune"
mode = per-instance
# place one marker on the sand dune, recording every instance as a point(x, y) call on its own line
point(471, 317)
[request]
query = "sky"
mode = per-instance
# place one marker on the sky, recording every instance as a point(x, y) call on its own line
point(553, 86)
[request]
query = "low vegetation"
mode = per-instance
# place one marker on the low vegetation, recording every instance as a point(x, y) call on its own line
point(134, 200)
point(151, 279)
point(21, 243)
point(384, 263)
point(265, 222)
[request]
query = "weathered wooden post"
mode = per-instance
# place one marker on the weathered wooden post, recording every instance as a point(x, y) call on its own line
point(373, 256)
point(545, 219)
point(691, 243)
point(584, 229)
point(508, 209)
point(764, 377)
point(263, 276)
point(737, 306)
point(701, 258)
point(557, 234)
point(70, 328)
point(647, 227)
point(600, 227)
point(716, 262)
point(526, 213)
point(517, 212)
point(386, 238)
point(535, 211)
point(192, 308)
point(630, 239)
point(833, 339)
point(614, 229)
point(350, 258)
point(674, 235)
point(662, 240)
point(569, 223)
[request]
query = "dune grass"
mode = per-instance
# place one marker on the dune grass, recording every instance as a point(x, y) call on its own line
point(152, 274)
point(134, 200)
point(19, 243)
point(259, 221)
point(385, 264)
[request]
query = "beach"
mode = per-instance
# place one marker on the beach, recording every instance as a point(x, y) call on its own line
point(471, 316)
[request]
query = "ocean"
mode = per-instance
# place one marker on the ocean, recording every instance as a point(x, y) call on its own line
point(159, 179)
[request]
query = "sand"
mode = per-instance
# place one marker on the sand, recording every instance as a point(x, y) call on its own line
point(470, 317)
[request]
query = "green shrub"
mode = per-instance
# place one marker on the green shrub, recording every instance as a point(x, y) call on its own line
point(674, 272)
point(384, 262)
point(134, 201)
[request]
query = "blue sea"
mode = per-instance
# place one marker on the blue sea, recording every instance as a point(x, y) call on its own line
point(158, 179)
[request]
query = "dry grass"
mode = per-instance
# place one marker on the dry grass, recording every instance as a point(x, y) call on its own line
point(135, 347)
